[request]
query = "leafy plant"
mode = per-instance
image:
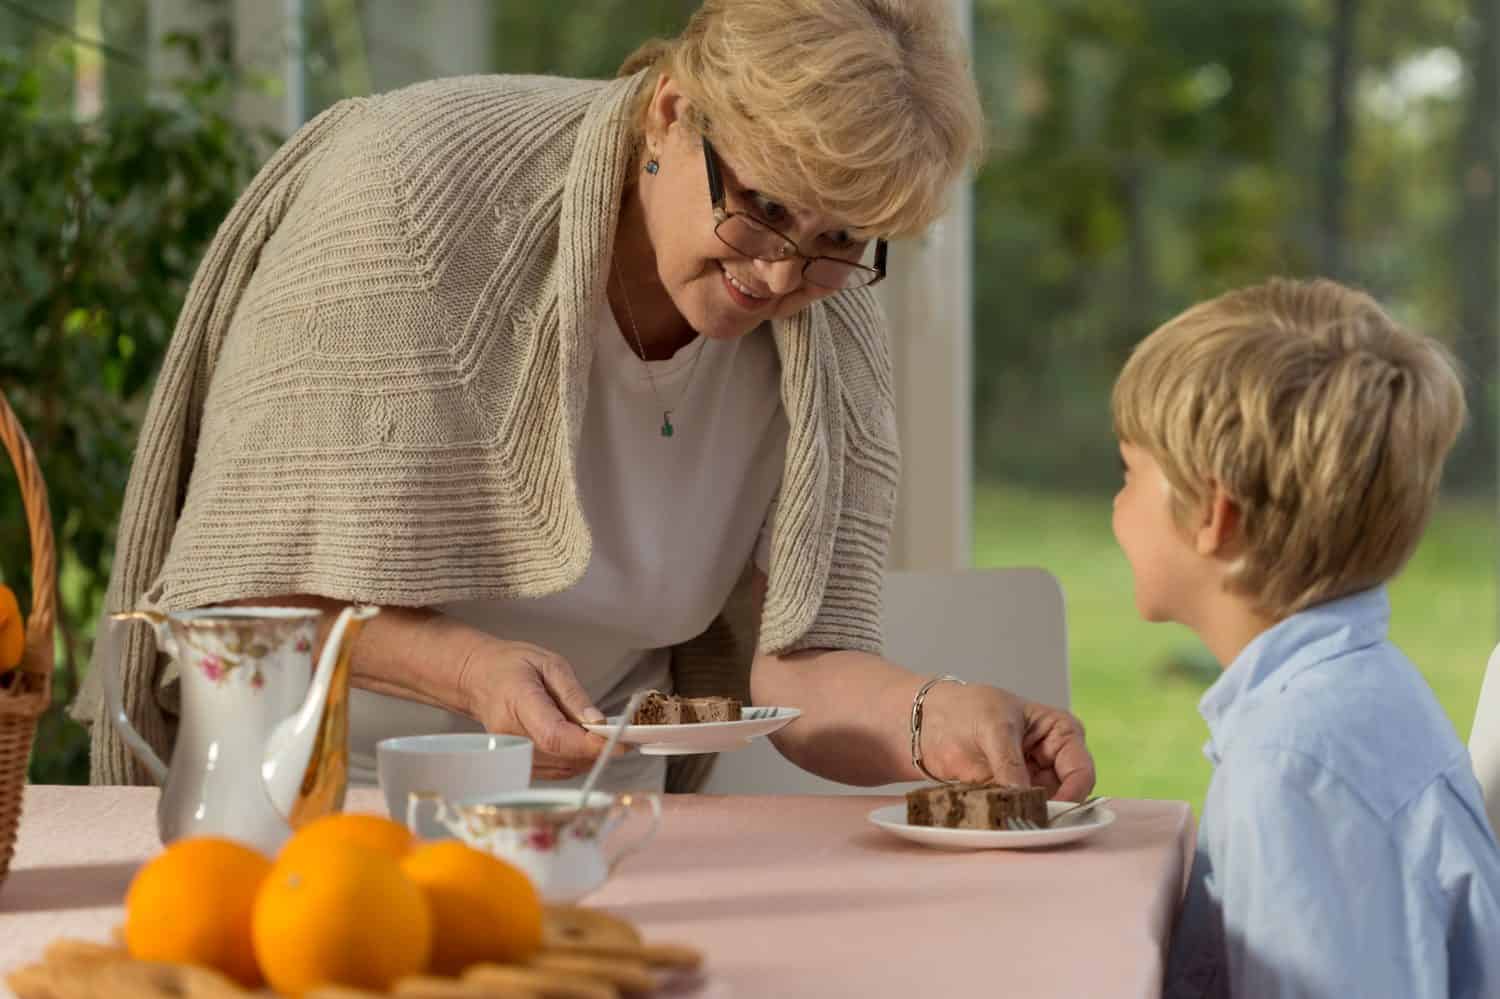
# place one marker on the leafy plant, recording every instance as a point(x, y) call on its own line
point(103, 222)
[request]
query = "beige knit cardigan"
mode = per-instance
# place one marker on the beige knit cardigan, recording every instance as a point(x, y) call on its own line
point(376, 386)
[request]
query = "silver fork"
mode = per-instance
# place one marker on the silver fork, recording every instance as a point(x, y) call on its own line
point(1018, 824)
point(1082, 808)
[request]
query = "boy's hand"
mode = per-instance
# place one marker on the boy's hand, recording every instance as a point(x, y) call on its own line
point(986, 735)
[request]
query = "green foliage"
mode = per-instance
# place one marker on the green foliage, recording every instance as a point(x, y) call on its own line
point(1134, 168)
point(586, 40)
point(103, 222)
point(1150, 154)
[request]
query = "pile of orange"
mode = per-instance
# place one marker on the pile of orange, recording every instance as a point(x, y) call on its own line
point(350, 900)
point(12, 630)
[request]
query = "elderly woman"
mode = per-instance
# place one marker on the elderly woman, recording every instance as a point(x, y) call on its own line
point(547, 367)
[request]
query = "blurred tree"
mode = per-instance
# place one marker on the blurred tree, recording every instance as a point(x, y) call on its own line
point(586, 40)
point(35, 33)
point(1476, 263)
point(1333, 203)
point(1147, 155)
point(1133, 170)
point(125, 27)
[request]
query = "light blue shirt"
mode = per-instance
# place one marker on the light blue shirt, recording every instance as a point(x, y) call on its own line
point(1344, 849)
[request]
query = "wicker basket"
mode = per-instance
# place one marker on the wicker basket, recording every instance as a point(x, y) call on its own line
point(26, 691)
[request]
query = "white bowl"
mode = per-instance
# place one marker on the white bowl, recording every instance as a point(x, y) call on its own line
point(456, 765)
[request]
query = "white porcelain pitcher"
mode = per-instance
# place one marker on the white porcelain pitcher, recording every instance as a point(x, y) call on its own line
point(262, 746)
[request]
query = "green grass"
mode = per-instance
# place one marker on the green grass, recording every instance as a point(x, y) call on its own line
point(1136, 685)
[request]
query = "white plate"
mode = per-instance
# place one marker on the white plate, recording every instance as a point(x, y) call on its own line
point(700, 737)
point(892, 819)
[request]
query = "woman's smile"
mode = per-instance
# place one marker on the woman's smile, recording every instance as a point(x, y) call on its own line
point(744, 294)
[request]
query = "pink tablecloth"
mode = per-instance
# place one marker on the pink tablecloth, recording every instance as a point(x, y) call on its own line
point(786, 896)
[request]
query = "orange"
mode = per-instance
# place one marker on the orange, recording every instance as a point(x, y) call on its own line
point(192, 904)
point(344, 915)
point(483, 909)
point(12, 630)
point(375, 832)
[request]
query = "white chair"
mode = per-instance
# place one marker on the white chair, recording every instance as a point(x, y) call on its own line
point(1006, 627)
point(1484, 739)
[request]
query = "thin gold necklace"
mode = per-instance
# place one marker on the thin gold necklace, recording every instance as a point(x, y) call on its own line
point(667, 430)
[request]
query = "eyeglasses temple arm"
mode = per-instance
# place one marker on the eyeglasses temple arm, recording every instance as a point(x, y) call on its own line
point(715, 181)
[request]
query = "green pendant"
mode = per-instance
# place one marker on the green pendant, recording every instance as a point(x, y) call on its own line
point(667, 430)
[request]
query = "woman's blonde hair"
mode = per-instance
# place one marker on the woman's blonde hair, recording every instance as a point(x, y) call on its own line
point(862, 110)
point(1324, 421)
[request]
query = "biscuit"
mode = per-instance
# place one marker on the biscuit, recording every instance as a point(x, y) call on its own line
point(432, 987)
point(575, 924)
point(676, 957)
point(624, 973)
point(544, 982)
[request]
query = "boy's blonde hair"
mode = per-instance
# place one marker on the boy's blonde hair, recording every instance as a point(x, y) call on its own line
point(861, 110)
point(1323, 419)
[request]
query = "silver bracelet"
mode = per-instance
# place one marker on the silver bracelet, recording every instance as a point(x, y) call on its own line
point(916, 724)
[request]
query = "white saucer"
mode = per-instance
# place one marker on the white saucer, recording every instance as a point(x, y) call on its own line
point(892, 818)
point(700, 737)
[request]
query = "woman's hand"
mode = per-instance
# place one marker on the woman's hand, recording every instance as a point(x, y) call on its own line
point(986, 735)
point(523, 689)
point(512, 687)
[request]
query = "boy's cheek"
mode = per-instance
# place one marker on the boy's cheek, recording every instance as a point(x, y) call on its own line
point(1119, 526)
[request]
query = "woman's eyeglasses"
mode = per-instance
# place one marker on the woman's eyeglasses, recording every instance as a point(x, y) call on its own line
point(746, 234)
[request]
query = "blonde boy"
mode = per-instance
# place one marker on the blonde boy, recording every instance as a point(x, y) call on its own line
point(1282, 448)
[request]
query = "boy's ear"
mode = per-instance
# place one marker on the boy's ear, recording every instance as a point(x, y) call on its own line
point(1218, 523)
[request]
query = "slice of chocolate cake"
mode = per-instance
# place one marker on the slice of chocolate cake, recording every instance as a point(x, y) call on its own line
point(974, 806)
point(657, 708)
point(929, 806)
point(664, 709)
point(710, 709)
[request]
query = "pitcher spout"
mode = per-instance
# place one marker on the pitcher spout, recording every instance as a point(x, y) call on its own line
point(306, 763)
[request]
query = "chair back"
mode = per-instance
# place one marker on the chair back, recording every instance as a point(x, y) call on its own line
point(1006, 627)
point(1484, 739)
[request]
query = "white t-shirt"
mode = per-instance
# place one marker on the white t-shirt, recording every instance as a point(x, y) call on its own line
point(674, 521)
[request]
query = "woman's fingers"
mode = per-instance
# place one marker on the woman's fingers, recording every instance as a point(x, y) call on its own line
point(1075, 771)
point(568, 692)
point(560, 744)
point(1055, 742)
point(988, 735)
point(976, 735)
point(1001, 744)
point(530, 691)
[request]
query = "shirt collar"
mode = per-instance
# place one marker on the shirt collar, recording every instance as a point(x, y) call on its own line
point(1278, 654)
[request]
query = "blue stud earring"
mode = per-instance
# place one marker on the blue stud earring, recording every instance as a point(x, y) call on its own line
point(652, 166)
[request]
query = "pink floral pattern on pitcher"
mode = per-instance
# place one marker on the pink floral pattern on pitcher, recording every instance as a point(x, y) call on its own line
point(213, 667)
point(220, 653)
